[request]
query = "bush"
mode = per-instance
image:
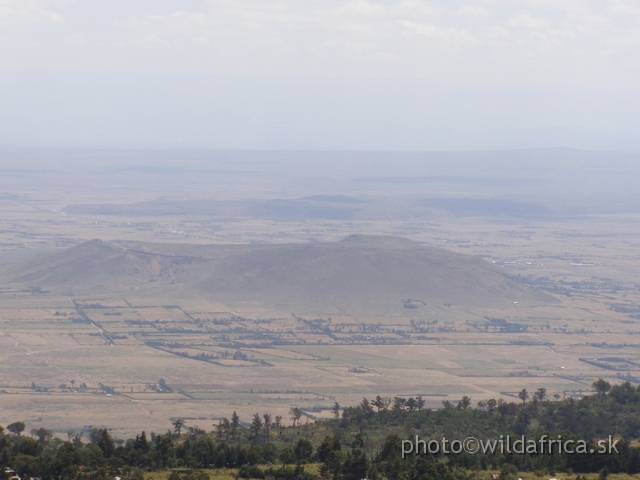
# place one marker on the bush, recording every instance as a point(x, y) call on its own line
point(289, 473)
point(249, 471)
point(189, 475)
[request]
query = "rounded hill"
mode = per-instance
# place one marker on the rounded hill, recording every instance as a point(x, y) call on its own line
point(360, 275)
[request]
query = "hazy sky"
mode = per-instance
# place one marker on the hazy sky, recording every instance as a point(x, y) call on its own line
point(360, 74)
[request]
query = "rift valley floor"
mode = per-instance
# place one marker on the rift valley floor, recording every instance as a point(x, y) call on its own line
point(131, 296)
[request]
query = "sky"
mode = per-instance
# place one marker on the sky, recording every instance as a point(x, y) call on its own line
point(321, 74)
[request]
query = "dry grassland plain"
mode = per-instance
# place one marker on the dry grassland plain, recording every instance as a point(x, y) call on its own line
point(69, 363)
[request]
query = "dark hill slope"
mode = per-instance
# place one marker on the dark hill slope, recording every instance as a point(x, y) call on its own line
point(358, 275)
point(364, 275)
point(96, 267)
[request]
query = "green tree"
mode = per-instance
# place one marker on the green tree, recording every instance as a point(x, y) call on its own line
point(336, 410)
point(367, 410)
point(106, 444)
point(164, 451)
point(141, 444)
point(16, 428)
point(43, 435)
point(303, 450)
point(178, 425)
point(329, 445)
point(235, 425)
point(256, 425)
point(426, 468)
point(296, 415)
point(398, 404)
point(355, 465)
point(287, 456)
point(411, 404)
point(388, 459)
point(162, 384)
point(508, 472)
point(278, 424)
point(601, 386)
point(523, 395)
point(331, 456)
point(266, 417)
point(381, 403)
point(464, 402)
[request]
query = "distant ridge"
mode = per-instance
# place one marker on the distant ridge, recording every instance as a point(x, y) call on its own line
point(359, 275)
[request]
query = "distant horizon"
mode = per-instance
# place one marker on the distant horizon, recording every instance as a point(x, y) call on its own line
point(151, 148)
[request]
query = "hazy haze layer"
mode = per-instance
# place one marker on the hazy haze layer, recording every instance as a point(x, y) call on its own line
point(358, 74)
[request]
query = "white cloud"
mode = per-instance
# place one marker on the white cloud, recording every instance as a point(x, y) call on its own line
point(379, 73)
point(486, 41)
point(526, 20)
point(29, 11)
point(431, 31)
point(473, 11)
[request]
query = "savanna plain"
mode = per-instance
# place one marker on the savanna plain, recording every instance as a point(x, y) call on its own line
point(137, 287)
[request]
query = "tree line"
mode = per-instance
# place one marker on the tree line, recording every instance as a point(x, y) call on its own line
point(361, 441)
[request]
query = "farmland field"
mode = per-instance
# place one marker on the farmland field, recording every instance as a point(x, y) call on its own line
point(72, 360)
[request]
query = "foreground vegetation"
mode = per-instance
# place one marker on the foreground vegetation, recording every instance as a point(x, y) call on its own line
point(363, 441)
